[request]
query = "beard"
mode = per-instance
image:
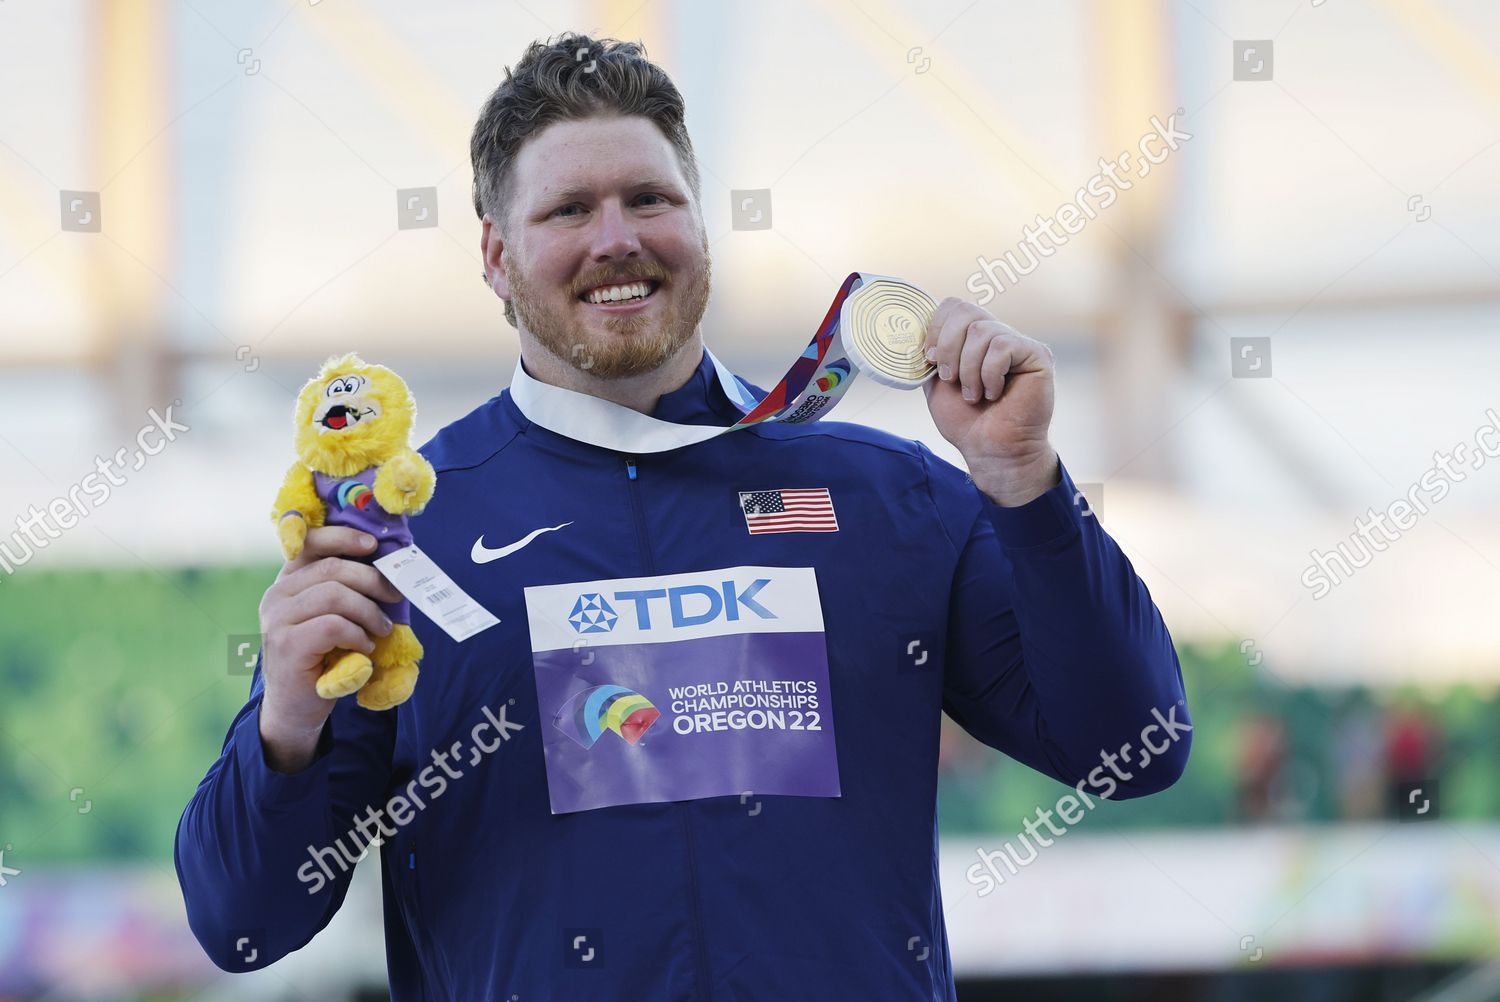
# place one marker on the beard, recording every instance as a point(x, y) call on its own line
point(630, 344)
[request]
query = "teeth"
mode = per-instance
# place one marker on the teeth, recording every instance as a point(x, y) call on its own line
point(616, 293)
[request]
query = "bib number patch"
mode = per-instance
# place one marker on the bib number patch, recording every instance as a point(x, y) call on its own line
point(683, 686)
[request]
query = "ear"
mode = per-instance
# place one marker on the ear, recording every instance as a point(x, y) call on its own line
point(491, 249)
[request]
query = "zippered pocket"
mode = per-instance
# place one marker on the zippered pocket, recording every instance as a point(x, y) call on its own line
point(432, 968)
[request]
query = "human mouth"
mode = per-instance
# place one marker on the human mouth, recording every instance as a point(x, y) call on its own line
point(621, 298)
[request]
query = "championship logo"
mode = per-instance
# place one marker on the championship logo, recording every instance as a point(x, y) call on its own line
point(588, 714)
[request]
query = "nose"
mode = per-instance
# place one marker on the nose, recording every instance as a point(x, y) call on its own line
point(615, 235)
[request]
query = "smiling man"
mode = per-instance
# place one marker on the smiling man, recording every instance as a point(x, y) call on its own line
point(696, 758)
point(606, 282)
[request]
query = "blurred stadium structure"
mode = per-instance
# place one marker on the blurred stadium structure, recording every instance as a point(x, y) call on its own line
point(200, 203)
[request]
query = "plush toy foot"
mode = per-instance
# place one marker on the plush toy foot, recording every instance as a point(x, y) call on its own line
point(389, 687)
point(345, 673)
point(396, 655)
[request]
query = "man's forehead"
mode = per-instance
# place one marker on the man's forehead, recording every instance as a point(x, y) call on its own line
point(582, 156)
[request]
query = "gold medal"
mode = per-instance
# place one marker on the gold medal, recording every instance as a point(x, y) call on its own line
point(883, 325)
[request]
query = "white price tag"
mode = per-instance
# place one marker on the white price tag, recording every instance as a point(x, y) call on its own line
point(432, 591)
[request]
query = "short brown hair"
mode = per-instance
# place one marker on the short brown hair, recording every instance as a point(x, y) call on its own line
point(572, 77)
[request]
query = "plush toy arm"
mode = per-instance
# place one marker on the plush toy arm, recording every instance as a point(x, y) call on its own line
point(298, 509)
point(404, 483)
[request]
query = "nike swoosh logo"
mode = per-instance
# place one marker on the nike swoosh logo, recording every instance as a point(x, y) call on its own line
point(482, 554)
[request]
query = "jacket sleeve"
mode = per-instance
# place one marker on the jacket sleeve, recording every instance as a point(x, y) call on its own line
point(245, 844)
point(1056, 654)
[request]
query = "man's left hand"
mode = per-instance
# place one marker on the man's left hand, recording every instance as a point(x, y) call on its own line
point(992, 399)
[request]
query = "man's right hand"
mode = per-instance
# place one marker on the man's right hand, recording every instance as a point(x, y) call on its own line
point(320, 601)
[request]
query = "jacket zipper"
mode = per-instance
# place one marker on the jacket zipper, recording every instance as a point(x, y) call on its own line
point(428, 975)
point(640, 518)
point(700, 952)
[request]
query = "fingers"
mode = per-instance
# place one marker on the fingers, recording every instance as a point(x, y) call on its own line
point(984, 351)
point(325, 599)
point(979, 350)
point(945, 333)
point(335, 597)
point(330, 541)
point(997, 361)
point(324, 633)
point(303, 625)
point(363, 578)
point(979, 353)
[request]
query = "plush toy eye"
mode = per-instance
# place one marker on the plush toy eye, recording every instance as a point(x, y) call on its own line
point(344, 385)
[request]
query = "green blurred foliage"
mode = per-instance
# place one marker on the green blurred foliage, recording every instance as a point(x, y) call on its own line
point(121, 684)
point(117, 684)
point(981, 790)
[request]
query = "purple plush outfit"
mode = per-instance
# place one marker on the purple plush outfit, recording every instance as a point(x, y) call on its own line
point(351, 501)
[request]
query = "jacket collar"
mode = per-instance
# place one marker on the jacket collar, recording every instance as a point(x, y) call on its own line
point(709, 402)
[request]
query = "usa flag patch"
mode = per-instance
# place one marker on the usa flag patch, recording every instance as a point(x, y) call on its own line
point(802, 510)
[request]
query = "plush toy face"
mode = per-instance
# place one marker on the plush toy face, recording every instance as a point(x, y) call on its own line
point(346, 405)
point(352, 415)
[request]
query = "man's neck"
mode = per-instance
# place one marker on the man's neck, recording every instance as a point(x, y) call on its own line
point(639, 393)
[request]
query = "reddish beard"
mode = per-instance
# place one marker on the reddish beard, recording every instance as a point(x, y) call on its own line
point(632, 344)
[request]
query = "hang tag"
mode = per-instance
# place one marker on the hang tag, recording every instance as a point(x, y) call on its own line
point(432, 591)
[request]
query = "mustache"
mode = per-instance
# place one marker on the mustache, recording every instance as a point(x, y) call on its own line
point(638, 274)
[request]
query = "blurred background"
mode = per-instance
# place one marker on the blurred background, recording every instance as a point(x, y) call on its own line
point(1282, 328)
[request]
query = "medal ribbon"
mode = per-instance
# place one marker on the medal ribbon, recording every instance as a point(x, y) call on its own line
point(811, 387)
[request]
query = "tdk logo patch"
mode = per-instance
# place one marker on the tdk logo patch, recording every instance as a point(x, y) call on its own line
point(591, 614)
point(681, 605)
point(668, 608)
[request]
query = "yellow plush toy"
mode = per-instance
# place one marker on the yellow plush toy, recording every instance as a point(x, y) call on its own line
point(355, 468)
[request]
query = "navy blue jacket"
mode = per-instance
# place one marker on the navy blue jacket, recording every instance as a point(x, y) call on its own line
point(1040, 641)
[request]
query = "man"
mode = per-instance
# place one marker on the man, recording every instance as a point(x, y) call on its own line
point(801, 604)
